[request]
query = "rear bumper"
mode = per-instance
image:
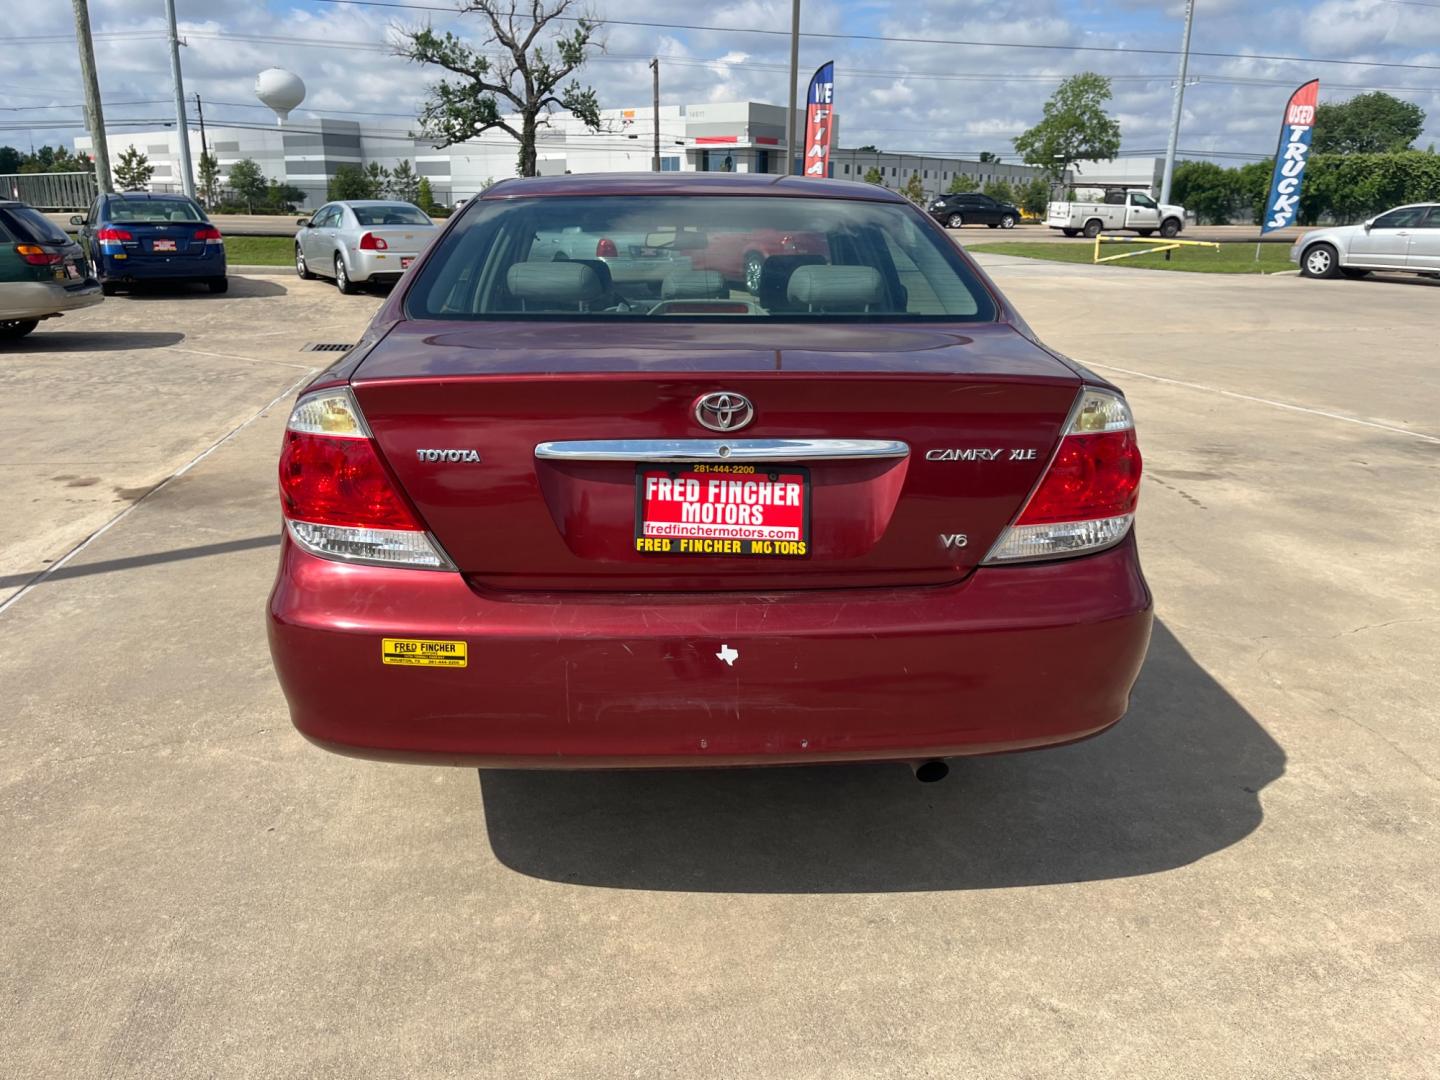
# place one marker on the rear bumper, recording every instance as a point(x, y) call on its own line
point(161, 268)
point(377, 266)
point(1010, 659)
point(37, 299)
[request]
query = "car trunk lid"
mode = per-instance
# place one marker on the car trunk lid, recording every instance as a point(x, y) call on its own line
point(402, 239)
point(977, 412)
point(170, 239)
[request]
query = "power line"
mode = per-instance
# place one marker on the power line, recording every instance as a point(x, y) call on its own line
point(962, 42)
point(908, 75)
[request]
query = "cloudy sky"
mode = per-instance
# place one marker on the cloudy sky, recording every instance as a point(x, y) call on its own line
point(955, 83)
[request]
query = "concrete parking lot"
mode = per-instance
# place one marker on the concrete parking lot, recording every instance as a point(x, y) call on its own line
point(1240, 880)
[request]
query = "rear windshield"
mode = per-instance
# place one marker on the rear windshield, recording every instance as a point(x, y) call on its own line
point(24, 223)
point(692, 256)
point(144, 211)
point(390, 214)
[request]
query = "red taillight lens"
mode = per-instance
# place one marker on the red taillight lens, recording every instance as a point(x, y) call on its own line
point(605, 248)
point(113, 234)
point(1092, 476)
point(339, 501)
point(208, 232)
point(1086, 500)
point(339, 481)
point(371, 242)
point(38, 256)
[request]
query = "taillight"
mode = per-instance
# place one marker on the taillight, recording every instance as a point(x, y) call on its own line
point(371, 242)
point(209, 234)
point(605, 248)
point(338, 499)
point(118, 235)
point(38, 256)
point(1086, 499)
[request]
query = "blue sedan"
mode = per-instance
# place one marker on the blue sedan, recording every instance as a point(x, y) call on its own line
point(138, 237)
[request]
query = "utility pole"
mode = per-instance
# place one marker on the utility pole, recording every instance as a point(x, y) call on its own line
point(187, 174)
point(1179, 103)
point(790, 139)
point(200, 112)
point(655, 160)
point(94, 115)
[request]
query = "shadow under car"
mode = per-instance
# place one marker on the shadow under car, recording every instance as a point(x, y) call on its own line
point(1176, 780)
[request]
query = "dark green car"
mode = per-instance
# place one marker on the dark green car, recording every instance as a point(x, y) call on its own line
point(43, 273)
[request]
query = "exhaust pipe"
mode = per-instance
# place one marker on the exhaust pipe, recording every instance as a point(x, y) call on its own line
point(930, 772)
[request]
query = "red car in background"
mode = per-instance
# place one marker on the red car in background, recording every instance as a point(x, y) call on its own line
point(740, 254)
point(854, 512)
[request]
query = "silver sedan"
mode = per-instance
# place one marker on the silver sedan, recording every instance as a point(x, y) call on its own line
point(1406, 238)
point(361, 240)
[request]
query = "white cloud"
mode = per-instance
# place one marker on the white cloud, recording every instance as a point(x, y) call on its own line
point(916, 95)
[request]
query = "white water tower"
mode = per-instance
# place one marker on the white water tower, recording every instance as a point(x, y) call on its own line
point(281, 90)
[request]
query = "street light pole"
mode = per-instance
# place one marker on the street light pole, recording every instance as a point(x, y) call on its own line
point(187, 174)
point(790, 136)
point(655, 160)
point(1179, 103)
point(94, 114)
point(200, 112)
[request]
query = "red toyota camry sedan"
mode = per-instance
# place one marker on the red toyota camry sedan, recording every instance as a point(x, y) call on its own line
point(559, 511)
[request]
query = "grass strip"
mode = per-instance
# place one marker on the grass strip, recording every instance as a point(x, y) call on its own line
point(1230, 259)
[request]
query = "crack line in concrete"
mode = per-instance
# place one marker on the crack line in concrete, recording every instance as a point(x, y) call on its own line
point(78, 548)
point(1268, 401)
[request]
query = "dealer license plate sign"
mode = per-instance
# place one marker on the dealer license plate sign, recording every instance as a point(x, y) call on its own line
point(163, 245)
point(723, 510)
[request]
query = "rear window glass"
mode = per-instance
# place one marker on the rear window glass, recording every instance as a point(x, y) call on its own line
point(691, 256)
point(146, 211)
point(25, 223)
point(391, 214)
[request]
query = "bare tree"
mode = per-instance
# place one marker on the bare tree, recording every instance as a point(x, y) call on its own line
point(524, 82)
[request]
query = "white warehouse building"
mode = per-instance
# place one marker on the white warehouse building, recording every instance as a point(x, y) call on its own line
point(744, 136)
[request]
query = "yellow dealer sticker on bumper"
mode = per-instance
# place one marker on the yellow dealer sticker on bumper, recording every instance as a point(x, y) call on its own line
point(413, 652)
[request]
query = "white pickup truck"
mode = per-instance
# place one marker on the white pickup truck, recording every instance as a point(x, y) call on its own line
point(1133, 210)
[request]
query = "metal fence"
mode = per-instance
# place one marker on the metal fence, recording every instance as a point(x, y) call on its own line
point(50, 191)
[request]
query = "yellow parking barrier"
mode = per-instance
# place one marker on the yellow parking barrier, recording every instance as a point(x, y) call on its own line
point(1156, 246)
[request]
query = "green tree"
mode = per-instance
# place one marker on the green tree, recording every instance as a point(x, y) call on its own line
point(961, 183)
point(209, 174)
point(1075, 127)
point(132, 169)
point(868, 149)
point(282, 198)
point(1000, 191)
point(873, 175)
point(525, 81)
point(424, 196)
point(351, 182)
point(986, 155)
point(405, 183)
point(1208, 191)
point(247, 182)
point(379, 178)
point(1252, 188)
point(1373, 123)
point(1034, 197)
point(53, 159)
point(1352, 187)
point(914, 189)
point(10, 159)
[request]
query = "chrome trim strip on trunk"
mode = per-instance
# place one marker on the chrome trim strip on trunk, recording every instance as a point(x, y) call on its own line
point(720, 449)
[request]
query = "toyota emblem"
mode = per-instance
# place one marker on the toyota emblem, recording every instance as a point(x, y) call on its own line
point(724, 411)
